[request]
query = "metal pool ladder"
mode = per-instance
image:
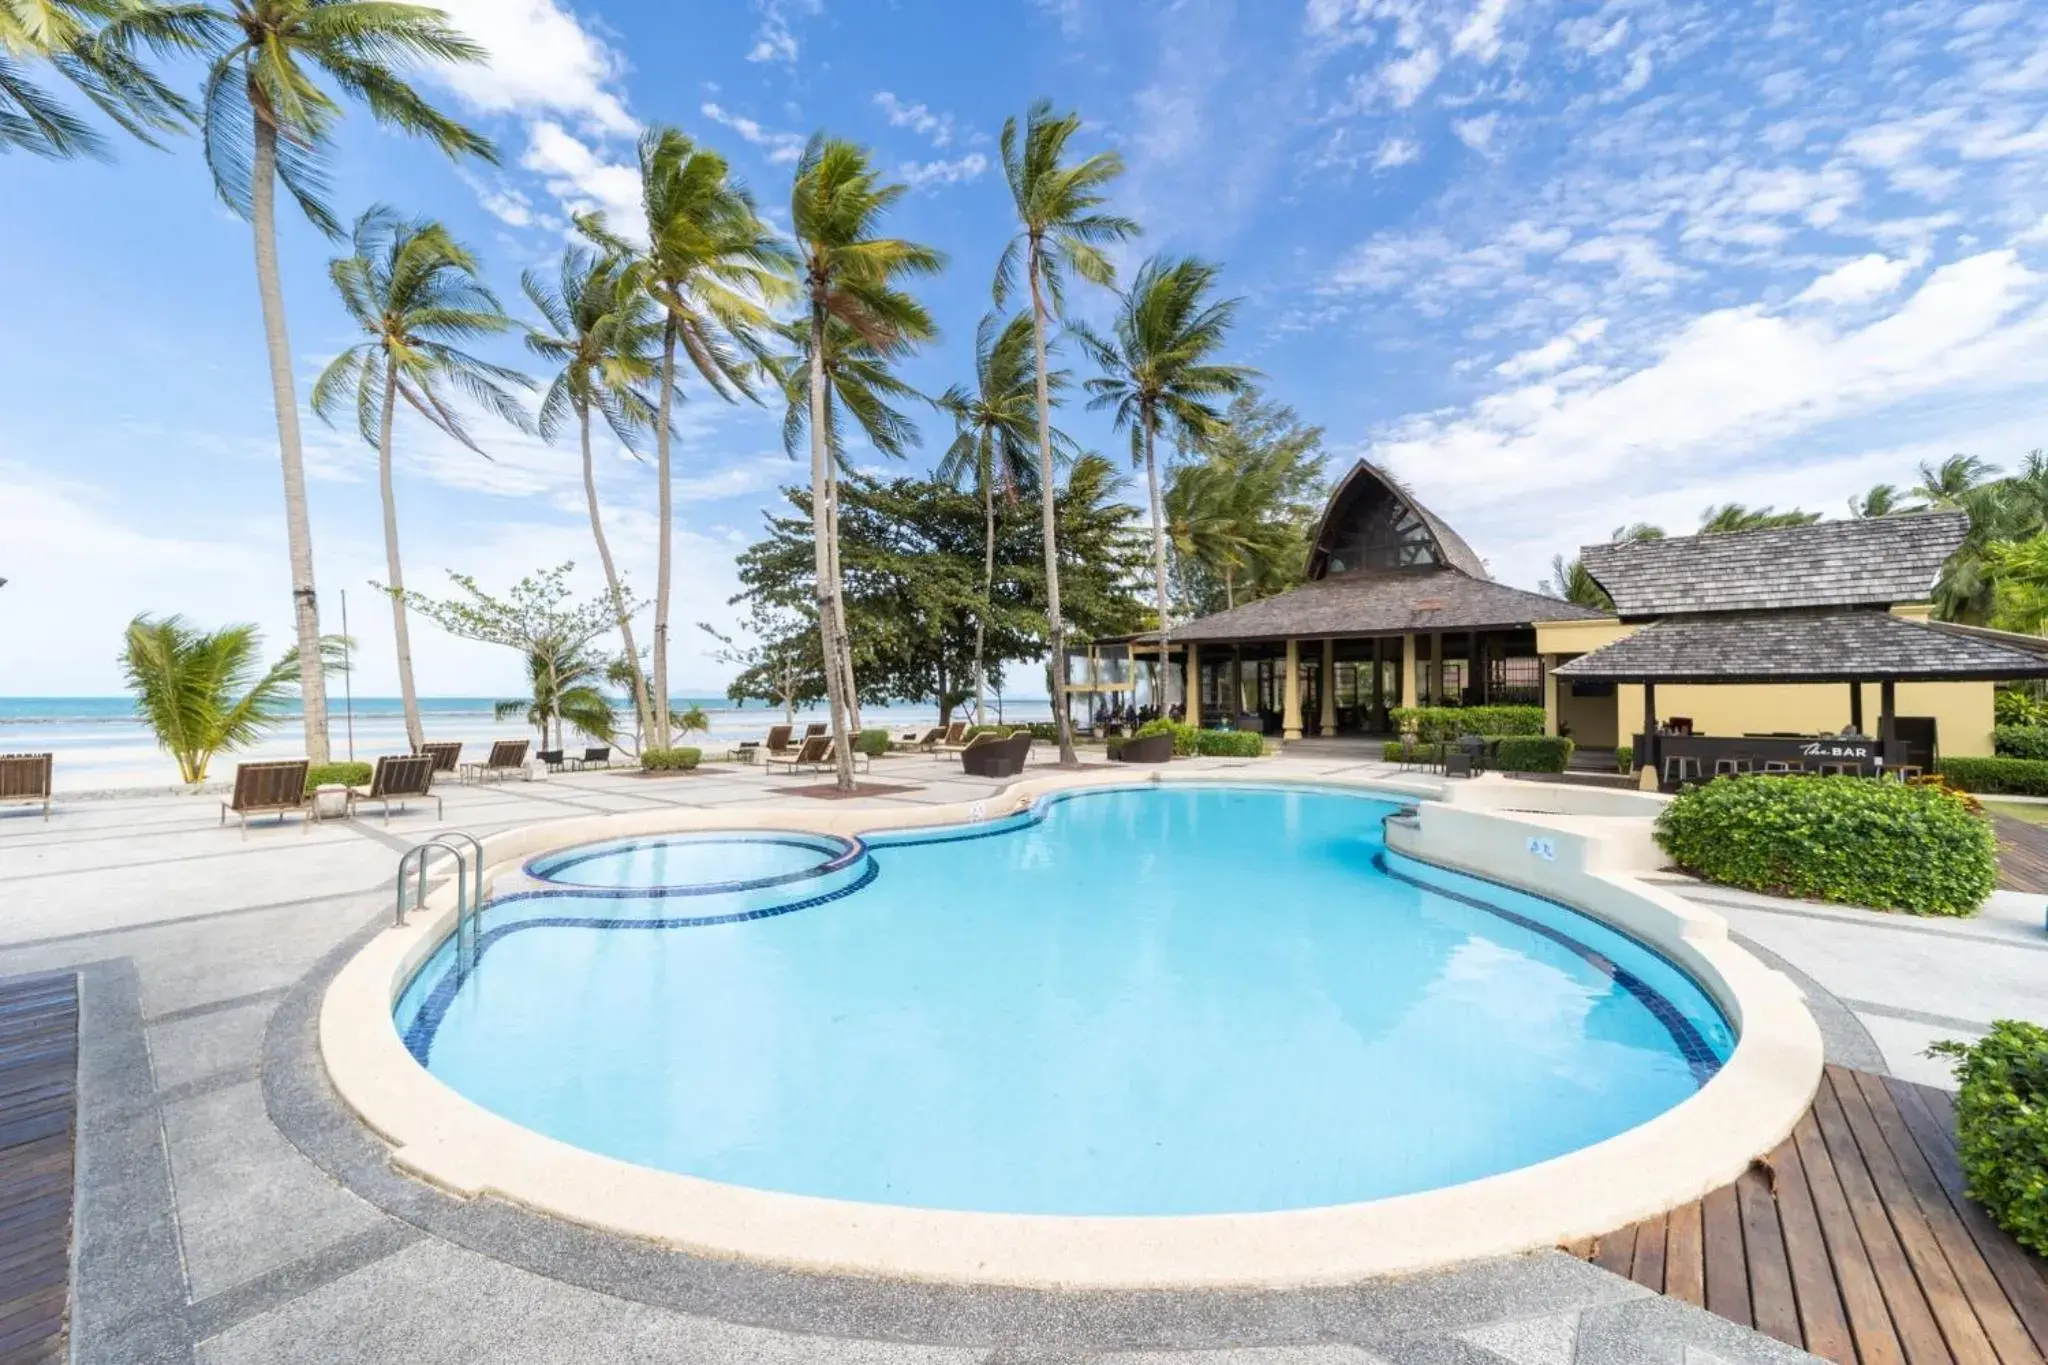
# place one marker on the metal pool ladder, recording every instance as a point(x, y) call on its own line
point(469, 886)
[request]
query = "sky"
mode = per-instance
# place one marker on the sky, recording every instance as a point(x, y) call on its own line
point(1559, 267)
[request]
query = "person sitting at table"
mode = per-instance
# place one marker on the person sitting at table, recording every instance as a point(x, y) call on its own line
point(1850, 731)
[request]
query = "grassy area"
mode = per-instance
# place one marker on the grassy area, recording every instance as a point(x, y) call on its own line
point(2019, 810)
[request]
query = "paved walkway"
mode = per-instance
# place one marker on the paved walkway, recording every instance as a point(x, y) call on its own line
point(229, 1211)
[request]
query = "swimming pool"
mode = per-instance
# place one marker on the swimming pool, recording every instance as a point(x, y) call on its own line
point(1157, 1001)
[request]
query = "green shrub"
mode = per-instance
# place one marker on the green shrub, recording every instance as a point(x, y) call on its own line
point(1044, 731)
point(670, 760)
point(873, 742)
point(1532, 754)
point(1992, 776)
point(1449, 722)
point(2002, 1126)
point(1228, 744)
point(1187, 740)
point(2021, 741)
point(1885, 845)
point(2010, 706)
point(1625, 758)
point(1394, 751)
point(347, 774)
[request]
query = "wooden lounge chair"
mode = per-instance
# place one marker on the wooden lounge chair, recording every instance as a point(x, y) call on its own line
point(924, 741)
point(275, 788)
point(776, 747)
point(25, 780)
point(596, 756)
point(954, 741)
point(814, 729)
point(507, 756)
point(447, 755)
point(399, 778)
point(992, 757)
point(816, 755)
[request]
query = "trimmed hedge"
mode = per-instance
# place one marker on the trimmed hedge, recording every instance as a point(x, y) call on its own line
point(873, 743)
point(1885, 845)
point(1449, 722)
point(2020, 741)
point(2002, 1126)
point(1625, 758)
point(1993, 776)
point(1229, 744)
point(1187, 740)
point(1044, 731)
point(670, 760)
point(1533, 754)
point(347, 774)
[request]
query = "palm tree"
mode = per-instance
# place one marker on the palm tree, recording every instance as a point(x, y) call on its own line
point(995, 432)
point(267, 119)
point(1883, 500)
point(204, 692)
point(417, 295)
point(95, 45)
point(711, 264)
point(1061, 232)
point(1944, 486)
point(849, 276)
point(1733, 516)
point(566, 681)
point(601, 335)
point(1570, 581)
point(1157, 371)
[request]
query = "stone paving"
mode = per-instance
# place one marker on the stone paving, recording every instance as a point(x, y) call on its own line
point(230, 1211)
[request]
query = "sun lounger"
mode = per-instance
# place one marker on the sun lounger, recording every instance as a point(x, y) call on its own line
point(992, 757)
point(815, 755)
point(776, 747)
point(447, 755)
point(815, 728)
point(597, 756)
point(507, 756)
point(275, 788)
point(923, 741)
point(399, 778)
point(25, 780)
point(955, 738)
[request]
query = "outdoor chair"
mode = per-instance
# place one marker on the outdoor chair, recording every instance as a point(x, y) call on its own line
point(1680, 769)
point(816, 754)
point(1732, 767)
point(997, 757)
point(401, 779)
point(1774, 767)
point(776, 746)
point(447, 755)
point(1847, 769)
point(925, 739)
point(554, 759)
point(955, 739)
point(507, 756)
point(25, 780)
point(598, 756)
point(274, 788)
point(814, 729)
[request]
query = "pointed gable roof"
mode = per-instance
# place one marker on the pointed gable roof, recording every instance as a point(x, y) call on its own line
point(1356, 494)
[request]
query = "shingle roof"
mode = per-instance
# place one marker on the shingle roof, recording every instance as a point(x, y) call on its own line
point(1450, 545)
point(1802, 646)
point(1384, 603)
point(1871, 562)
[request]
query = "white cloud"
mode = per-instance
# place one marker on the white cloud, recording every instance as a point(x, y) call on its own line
point(541, 61)
point(775, 39)
point(1477, 132)
point(781, 147)
point(920, 174)
point(1858, 281)
point(1552, 354)
point(1638, 259)
point(1405, 78)
point(1396, 151)
point(1479, 36)
point(1589, 35)
point(583, 179)
point(1641, 67)
point(916, 117)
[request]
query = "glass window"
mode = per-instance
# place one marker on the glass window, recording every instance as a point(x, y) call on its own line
point(1382, 534)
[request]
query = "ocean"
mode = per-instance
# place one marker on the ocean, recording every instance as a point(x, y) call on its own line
point(100, 745)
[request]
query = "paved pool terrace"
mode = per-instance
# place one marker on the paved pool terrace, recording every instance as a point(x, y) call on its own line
point(228, 1210)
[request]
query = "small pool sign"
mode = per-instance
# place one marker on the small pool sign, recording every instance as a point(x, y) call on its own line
point(1542, 848)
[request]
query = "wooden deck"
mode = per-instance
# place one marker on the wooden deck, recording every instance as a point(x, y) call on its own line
point(2022, 855)
point(38, 1133)
point(1853, 1241)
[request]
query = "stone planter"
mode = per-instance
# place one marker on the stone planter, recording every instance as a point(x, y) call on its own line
point(1151, 749)
point(330, 801)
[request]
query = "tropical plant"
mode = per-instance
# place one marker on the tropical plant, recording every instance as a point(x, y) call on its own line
point(2020, 573)
point(2002, 1125)
point(1062, 231)
point(849, 276)
point(1883, 500)
point(204, 692)
point(415, 292)
point(711, 266)
point(1944, 486)
point(565, 678)
point(1158, 370)
point(599, 337)
point(97, 46)
point(1572, 581)
point(1733, 516)
point(693, 719)
point(995, 435)
point(268, 119)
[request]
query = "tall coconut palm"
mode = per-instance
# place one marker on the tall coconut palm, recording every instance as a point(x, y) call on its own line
point(994, 444)
point(267, 119)
point(96, 46)
point(1944, 486)
point(417, 295)
point(1061, 231)
point(601, 337)
point(711, 265)
point(1158, 371)
point(848, 275)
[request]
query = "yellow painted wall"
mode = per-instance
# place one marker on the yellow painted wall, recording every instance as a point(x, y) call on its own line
point(1591, 721)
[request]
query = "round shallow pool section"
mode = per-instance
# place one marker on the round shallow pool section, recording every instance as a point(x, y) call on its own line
point(1179, 999)
point(703, 863)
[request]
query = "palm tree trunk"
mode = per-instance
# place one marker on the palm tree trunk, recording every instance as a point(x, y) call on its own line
point(415, 735)
point(1159, 575)
point(822, 527)
point(839, 599)
point(643, 713)
point(298, 529)
point(1046, 489)
point(988, 592)
point(664, 535)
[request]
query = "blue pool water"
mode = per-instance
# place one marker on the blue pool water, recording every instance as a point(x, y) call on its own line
point(736, 860)
point(1165, 1000)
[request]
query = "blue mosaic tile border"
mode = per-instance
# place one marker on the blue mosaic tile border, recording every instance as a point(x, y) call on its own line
point(1700, 1057)
point(1041, 807)
point(419, 1038)
point(848, 851)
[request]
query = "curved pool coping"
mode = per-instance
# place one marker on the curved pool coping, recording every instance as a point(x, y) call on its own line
point(844, 851)
point(1698, 1145)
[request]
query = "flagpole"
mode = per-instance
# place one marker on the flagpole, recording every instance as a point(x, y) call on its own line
point(347, 677)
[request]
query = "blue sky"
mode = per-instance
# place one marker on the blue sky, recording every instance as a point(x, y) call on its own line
point(1560, 267)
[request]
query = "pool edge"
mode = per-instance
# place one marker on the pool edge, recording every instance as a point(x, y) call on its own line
point(1698, 1145)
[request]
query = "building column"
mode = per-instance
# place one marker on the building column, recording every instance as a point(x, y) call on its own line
point(1436, 668)
point(1290, 694)
point(1237, 707)
point(1194, 697)
point(1407, 671)
point(1548, 662)
point(1856, 706)
point(1329, 717)
point(1648, 776)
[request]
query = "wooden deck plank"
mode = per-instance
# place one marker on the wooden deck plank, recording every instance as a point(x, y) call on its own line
point(1685, 1272)
point(1771, 1305)
point(1727, 1275)
point(1953, 1313)
point(38, 1133)
point(2022, 855)
point(1648, 1270)
point(1919, 1338)
point(1823, 1324)
point(1616, 1251)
